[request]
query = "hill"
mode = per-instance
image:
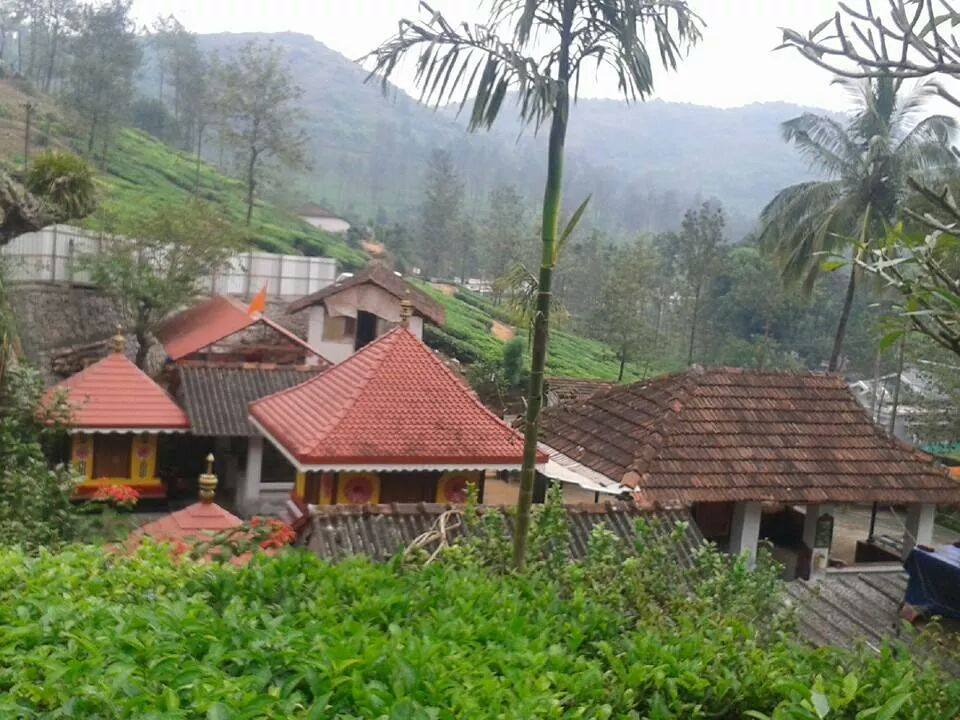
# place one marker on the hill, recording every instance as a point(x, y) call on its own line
point(469, 335)
point(142, 172)
point(643, 163)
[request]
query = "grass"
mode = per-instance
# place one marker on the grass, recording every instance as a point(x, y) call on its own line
point(466, 335)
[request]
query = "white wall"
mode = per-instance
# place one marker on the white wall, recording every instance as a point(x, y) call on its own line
point(330, 224)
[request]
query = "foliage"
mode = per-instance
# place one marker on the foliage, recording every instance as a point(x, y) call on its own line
point(97, 634)
point(440, 215)
point(251, 536)
point(156, 266)
point(695, 256)
point(867, 161)
point(35, 505)
point(105, 57)
point(259, 104)
point(64, 182)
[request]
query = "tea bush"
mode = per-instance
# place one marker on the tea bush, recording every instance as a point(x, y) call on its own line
point(86, 633)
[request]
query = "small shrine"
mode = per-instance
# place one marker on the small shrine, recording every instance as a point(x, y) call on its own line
point(117, 417)
point(391, 423)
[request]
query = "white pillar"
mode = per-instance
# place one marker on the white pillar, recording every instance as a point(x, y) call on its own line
point(918, 528)
point(248, 495)
point(819, 546)
point(315, 321)
point(745, 530)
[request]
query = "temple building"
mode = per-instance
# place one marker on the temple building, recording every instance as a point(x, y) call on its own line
point(391, 423)
point(357, 309)
point(119, 420)
point(753, 455)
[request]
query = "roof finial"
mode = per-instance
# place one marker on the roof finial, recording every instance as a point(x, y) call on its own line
point(208, 482)
point(118, 341)
point(406, 309)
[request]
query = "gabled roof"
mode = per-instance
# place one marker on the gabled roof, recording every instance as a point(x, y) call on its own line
point(216, 395)
point(313, 210)
point(729, 434)
point(567, 389)
point(211, 321)
point(387, 280)
point(114, 394)
point(392, 405)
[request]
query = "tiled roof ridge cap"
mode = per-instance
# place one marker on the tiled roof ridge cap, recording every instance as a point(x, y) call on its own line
point(241, 365)
point(415, 508)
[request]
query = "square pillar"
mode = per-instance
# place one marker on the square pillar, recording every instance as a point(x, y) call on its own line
point(248, 494)
point(745, 530)
point(918, 528)
point(818, 536)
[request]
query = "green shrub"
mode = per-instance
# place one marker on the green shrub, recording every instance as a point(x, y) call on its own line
point(64, 181)
point(89, 633)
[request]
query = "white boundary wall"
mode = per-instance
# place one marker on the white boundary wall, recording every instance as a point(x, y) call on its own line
point(48, 256)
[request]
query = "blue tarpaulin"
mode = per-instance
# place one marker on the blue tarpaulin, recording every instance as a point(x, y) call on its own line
point(934, 584)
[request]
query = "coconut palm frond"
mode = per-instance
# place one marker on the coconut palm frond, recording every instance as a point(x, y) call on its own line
point(823, 141)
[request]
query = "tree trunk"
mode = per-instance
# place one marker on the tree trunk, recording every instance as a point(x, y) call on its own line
point(550, 222)
point(143, 347)
point(251, 170)
point(895, 401)
point(623, 364)
point(52, 59)
point(842, 324)
point(693, 323)
point(196, 179)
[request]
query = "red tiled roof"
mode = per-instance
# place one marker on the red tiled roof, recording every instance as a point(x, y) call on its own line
point(728, 434)
point(115, 393)
point(202, 325)
point(385, 279)
point(191, 523)
point(392, 403)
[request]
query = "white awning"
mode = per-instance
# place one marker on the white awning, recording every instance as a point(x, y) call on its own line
point(564, 469)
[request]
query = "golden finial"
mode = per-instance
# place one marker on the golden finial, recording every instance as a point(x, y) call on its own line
point(406, 309)
point(118, 341)
point(208, 482)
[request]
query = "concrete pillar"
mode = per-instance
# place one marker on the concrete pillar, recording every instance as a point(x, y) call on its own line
point(416, 326)
point(745, 530)
point(818, 536)
point(315, 321)
point(918, 528)
point(248, 494)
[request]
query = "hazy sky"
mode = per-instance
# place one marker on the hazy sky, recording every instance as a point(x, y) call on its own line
point(734, 65)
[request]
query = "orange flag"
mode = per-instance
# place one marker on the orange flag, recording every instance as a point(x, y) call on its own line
point(259, 302)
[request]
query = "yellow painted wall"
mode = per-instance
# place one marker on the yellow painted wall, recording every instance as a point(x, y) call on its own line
point(451, 486)
point(81, 455)
point(348, 481)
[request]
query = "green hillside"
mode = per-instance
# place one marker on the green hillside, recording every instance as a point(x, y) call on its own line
point(467, 336)
point(143, 172)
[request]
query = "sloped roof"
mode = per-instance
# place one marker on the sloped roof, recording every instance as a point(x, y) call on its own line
point(216, 396)
point(213, 320)
point(392, 403)
point(385, 279)
point(115, 394)
point(335, 532)
point(567, 389)
point(191, 523)
point(729, 434)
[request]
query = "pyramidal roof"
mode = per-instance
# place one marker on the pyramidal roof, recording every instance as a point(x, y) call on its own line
point(391, 406)
point(114, 394)
point(728, 434)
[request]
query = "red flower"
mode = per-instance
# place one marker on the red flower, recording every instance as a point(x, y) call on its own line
point(121, 495)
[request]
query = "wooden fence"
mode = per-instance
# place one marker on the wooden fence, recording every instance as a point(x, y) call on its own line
point(50, 256)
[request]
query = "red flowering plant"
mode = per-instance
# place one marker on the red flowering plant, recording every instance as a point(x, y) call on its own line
point(119, 497)
point(256, 534)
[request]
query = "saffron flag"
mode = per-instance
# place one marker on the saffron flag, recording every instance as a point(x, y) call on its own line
point(259, 303)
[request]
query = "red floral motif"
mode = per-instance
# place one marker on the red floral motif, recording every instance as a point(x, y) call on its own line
point(143, 451)
point(82, 453)
point(457, 490)
point(358, 490)
point(118, 495)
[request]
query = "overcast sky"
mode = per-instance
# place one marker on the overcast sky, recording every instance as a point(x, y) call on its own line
point(735, 64)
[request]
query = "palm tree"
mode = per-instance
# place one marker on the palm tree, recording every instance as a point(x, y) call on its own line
point(537, 49)
point(867, 162)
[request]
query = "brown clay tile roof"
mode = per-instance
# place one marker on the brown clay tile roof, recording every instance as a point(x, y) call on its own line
point(566, 389)
point(386, 279)
point(380, 531)
point(194, 522)
point(728, 434)
point(216, 396)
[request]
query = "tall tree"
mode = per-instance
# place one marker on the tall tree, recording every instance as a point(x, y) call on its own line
point(440, 214)
point(548, 43)
point(157, 264)
point(61, 19)
point(105, 56)
point(699, 247)
point(260, 106)
point(867, 161)
point(505, 230)
point(621, 317)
